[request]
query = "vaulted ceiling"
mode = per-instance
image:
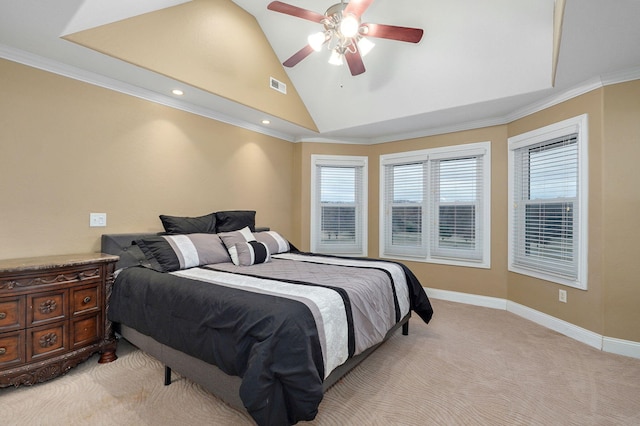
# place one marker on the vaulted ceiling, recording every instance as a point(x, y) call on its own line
point(479, 63)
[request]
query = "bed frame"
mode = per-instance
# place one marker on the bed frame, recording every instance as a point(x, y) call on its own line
point(209, 376)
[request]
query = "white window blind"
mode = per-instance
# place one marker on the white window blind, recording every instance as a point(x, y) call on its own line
point(548, 189)
point(405, 198)
point(339, 205)
point(436, 205)
point(545, 200)
point(457, 208)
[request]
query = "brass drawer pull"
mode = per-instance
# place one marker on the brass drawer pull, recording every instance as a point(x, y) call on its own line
point(3, 315)
point(3, 351)
point(86, 300)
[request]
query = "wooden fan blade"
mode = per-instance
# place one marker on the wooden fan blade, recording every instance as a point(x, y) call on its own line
point(357, 7)
point(354, 60)
point(298, 56)
point(287, 9)
point(411, 35)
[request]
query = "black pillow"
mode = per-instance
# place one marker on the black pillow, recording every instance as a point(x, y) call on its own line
point(174, 225)
point(233, 220)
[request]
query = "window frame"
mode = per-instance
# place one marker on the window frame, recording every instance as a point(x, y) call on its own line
point(361, 249)
point(576, 125)
point(427, 157)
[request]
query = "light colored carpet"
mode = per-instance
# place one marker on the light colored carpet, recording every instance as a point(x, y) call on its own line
point(470, 366)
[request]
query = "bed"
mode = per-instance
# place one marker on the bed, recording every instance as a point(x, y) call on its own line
point(268, 336)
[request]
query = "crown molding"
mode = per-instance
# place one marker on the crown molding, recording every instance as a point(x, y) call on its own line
point(586, 87)
point(433, 131)
point(90, 77)
point(65, 70)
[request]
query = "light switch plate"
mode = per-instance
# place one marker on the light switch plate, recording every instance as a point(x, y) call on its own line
point(97, 219)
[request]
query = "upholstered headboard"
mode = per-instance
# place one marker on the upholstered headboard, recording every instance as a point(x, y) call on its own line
point(221, 221)
point(122, 245)
point(130, 254)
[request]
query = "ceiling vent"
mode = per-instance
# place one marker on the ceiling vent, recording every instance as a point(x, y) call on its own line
point(278, 85)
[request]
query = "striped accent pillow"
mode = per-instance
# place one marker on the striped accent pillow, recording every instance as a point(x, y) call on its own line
point(175, 252)
point(252, 252)
point(274, 241)
point(230, 239)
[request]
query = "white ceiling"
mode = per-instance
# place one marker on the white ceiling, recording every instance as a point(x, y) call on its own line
point(479, 63)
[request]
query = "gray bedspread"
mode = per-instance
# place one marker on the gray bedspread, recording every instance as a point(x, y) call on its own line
point(282, 326)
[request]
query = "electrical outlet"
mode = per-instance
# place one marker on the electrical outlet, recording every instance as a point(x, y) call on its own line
point(97, 219)
point(562, 296)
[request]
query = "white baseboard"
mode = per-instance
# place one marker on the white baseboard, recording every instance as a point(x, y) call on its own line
point(563, 327)
point(598, 341)
point(621, 347)
point(466, 298)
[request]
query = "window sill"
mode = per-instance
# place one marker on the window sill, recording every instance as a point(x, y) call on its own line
point(451, 262)
point(548, 277)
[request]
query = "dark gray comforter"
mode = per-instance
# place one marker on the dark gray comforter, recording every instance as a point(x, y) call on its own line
point(281, 326)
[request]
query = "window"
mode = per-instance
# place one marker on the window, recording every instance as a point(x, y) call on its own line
point(436, 205)
point(339, 205)
point(548, 203)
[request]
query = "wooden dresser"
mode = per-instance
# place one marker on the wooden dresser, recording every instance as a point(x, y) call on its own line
point(53, 315)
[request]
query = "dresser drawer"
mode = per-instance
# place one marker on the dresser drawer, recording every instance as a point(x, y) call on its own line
point(85, 300)
point(12, 313)
point(86, 330)
point(11, 348)
point(47, 341)
point(55, 277)
point(53, 315)
point(46, 307)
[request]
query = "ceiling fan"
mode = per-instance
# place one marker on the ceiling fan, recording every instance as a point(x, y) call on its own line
point(344, 33)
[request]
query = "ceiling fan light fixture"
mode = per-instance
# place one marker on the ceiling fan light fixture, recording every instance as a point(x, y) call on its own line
point(344, 33)
point(335, 58)
point(365, 45)
point(316, 40)
point(349, 26)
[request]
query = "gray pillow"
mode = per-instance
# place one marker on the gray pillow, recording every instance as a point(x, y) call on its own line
point(176, 252)
point(274, 241)
point(230, 239)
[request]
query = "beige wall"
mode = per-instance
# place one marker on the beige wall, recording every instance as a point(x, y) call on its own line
point(70, 148)
point(621, 211)
point(487, 282)
point(203, 54)
point(302, 196)
point(610, 305)
point(583, 308)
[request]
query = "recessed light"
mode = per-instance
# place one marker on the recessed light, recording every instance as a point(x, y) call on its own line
point(177, 92)
point(266, 122)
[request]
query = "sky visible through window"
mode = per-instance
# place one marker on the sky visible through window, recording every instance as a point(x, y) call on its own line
point(553, 174)
point(409, 181)
point(337, 184)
